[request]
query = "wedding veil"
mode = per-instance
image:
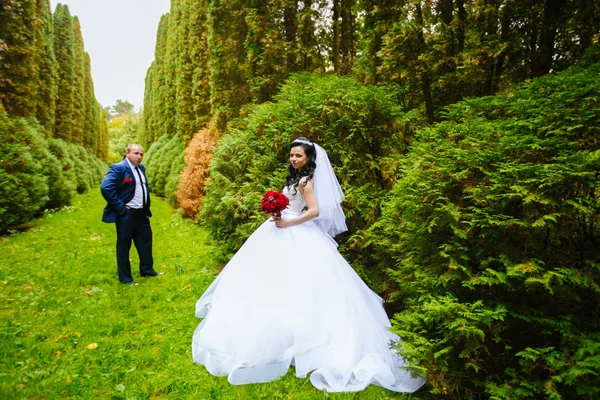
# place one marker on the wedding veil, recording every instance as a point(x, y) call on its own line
point(329, 196)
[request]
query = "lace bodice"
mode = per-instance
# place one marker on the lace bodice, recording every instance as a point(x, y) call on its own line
point(297, 202)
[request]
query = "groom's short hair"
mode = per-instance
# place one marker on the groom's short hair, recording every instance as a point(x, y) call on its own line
point(132, 145)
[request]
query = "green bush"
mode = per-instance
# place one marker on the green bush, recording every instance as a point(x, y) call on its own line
point(23, 185)
point(38, 174)
point(361, 128)
point(164, 162)
point(492, 235)
point(63, 177)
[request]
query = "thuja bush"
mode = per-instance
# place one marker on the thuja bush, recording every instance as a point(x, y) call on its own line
point(491, 234)
point(38, 173)
point(23, 184)
point(164, 161)
point(361, 128)
point(194, 176)
point(63, 180)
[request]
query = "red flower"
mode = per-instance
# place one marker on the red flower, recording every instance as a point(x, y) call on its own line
point(274, 202)
point(127, 180)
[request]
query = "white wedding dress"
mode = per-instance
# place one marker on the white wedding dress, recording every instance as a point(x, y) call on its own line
point(287, 297)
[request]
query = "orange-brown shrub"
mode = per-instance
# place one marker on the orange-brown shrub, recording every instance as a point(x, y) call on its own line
point(196, 173)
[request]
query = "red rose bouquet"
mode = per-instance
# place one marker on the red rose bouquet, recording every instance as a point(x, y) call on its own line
point(273, 203)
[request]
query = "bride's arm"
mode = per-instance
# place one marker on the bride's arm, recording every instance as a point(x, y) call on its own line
point(308, 193)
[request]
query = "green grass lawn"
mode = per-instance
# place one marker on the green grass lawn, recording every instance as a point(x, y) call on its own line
point(69, 329)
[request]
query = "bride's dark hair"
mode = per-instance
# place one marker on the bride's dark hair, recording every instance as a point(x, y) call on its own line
point(293, 178)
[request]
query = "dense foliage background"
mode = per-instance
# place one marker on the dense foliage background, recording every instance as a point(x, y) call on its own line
point(464, 134)
point(491, 234)
point(54, 132)
point(468, 160)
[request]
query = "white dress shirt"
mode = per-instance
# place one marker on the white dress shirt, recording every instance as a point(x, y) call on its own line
point(138, 199)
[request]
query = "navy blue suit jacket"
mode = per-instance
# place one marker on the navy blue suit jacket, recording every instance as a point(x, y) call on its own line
point(118, 188)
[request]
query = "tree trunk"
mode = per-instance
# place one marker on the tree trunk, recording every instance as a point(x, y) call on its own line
point(425, 80)
point(445, 10)
point(460, 30)
point(336, 35)
point(507, 15)
point(291, 31)
point(307, 28)
point(552, 12)
point(491, 30)
point(347, 37)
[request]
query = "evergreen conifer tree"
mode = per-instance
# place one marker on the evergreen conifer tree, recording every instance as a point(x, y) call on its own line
point(79, 103)
point(227, 55)
point(64, 50)
point(46, 100)
point(21, 32)
point(89, 102)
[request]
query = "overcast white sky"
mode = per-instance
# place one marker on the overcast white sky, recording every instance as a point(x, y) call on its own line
point(120, 36)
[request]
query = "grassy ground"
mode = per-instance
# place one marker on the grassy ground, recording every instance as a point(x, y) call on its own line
point(69, 329)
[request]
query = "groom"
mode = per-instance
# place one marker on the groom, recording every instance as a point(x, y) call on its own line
point(126, 191)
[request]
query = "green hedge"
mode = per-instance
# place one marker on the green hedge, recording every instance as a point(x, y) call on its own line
point(492, 235)
point(38, 173)
point(164, 162)
point(362, 129)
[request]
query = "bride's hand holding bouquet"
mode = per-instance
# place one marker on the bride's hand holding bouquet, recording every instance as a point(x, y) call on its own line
point(274, 203)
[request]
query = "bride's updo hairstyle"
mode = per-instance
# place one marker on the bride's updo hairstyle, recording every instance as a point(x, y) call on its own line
point(294, 176)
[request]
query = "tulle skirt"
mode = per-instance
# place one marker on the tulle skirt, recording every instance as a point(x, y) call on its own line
point(287, 297)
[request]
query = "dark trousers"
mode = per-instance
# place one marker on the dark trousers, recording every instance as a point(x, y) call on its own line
point(134, 225)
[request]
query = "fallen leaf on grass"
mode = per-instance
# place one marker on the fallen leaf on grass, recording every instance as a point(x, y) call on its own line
point(58, 353)
point(91, 346)
point(26, 287)
point(187, 287)
point(59, 339)
point(4, 282)
point(77, 334)
point(164, 266)
point(91, 291)
point(68, 380)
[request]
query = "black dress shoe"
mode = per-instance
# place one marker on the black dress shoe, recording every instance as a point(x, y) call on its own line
point(132, 283)
point(151, 273)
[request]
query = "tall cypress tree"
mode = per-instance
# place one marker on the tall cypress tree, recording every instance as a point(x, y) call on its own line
point(160, 77)
point(169, 109)
point(46, 101)
point(199, 53)
point(79, 103)
point(90, 105)
point(103, 134)
point(146, 129)
point(183, 74)
point(228, 79)
point(21, 31)
point(193, 92)
point(64, 50)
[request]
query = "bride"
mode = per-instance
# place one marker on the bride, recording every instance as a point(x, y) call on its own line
point(287, 297)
